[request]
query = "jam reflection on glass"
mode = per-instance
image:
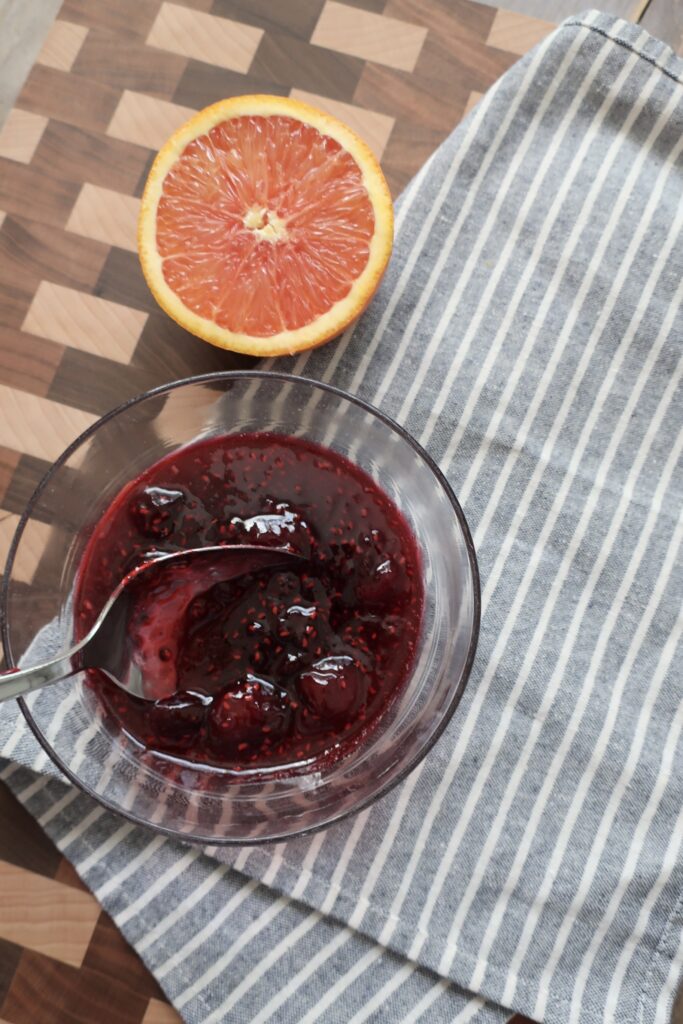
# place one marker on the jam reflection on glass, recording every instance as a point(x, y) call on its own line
point(278, 669)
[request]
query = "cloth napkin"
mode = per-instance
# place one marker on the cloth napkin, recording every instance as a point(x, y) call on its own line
point(528, 332)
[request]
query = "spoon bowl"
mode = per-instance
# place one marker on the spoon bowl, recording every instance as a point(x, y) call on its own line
point(125, 642)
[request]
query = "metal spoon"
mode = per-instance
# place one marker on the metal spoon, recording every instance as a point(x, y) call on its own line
point(168, 583)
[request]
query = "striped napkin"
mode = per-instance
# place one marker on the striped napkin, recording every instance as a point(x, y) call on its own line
point(529, 334)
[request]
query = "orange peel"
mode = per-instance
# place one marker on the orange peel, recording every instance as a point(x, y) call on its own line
point(265, 225)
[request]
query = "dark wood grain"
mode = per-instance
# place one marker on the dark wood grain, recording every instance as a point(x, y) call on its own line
point(202, 84)
point(92, 383)
point(125, 17)
point(66, 874)
point(121, 280)
point(140, 185)
point(46, 252)
point(458, 51)
point(450, 20)
point(9, 461)
point(60, 95)
point(296, 18)
point(28, 191)
point(22, 840)
point(376, 6)
point(110, 955)
point(294, 63)
point(16, 292)
point(677, 1017)
point(26, 477)
point(45, 990)
point(139, 67)
point(10, 954)
point(168, 352)
point(27, 362)
point(75, 154)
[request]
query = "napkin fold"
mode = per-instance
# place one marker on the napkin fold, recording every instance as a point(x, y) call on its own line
point(528, 332)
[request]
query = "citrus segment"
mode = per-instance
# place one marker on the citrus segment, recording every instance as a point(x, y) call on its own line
point(265, 226)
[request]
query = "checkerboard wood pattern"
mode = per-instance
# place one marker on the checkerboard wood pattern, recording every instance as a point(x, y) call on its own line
point(80, 333)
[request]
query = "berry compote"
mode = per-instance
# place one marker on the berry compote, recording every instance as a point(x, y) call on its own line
point(281, 669)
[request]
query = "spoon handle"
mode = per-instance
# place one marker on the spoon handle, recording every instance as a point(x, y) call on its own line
point(17, 682)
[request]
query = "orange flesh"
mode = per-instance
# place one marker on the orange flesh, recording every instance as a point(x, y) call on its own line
point(263, 225)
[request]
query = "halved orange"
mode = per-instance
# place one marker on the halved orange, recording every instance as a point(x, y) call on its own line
point(265, 225)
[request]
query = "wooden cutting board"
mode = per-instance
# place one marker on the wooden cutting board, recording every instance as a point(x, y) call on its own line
point(79, 332)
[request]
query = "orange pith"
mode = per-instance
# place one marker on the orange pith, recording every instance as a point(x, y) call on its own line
point(265, 225)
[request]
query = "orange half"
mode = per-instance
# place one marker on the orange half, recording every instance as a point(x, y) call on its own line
point(265, 225)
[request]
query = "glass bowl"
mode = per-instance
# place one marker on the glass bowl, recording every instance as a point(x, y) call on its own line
point(190, 802)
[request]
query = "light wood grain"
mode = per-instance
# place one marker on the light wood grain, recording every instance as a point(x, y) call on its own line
point(9, 461)
point(61, 47)
point(219, 41)
point(373, 127)
point(45, 916)
point(84, 321)
point(160, 1013)
point(21, 134)
point(517, 33)
point(105, 216)
point(34, 540)
point(145, 120)
point(8, 524)
point(38, 426)
point(369, 36)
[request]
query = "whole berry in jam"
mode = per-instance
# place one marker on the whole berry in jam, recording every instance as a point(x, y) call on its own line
point(248, 715)
point(333, 688)
point(155, 511)
point(177, 721)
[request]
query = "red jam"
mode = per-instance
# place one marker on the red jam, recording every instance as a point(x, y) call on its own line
point(281, 668)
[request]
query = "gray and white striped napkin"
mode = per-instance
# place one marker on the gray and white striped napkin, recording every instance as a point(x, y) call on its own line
point(529, 334)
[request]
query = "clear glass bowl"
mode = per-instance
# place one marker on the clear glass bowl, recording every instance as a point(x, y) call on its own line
point(194, 803)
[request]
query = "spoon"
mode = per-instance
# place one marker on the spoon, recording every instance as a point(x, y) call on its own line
point(168, 583)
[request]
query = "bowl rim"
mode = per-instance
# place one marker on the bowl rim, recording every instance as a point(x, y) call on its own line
point(418, 756)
